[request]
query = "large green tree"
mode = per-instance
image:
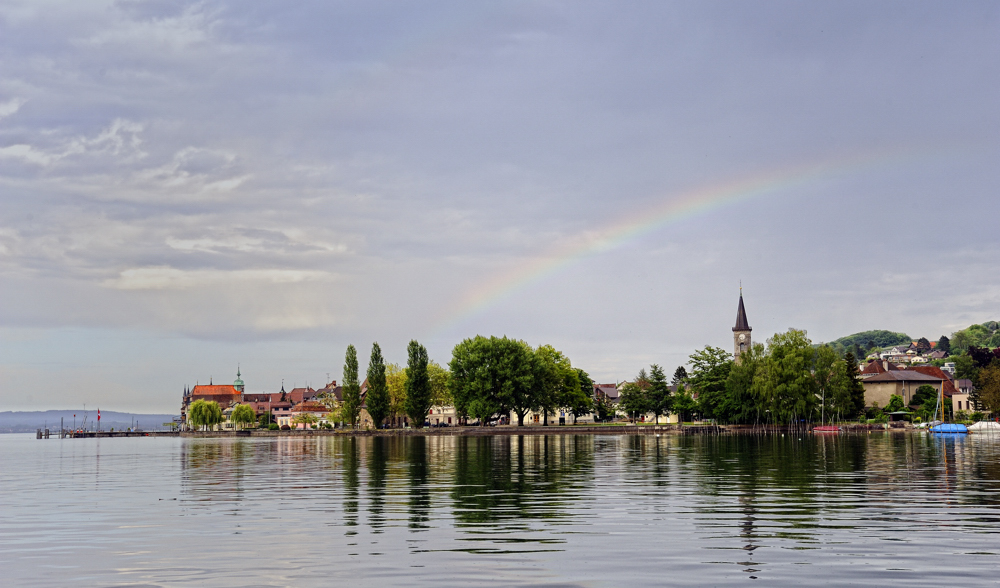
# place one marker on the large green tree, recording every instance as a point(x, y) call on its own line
point(658, 392)
point(989, 387)
point(418, 384)
point(709, 372)
point(492, 377)
point(243, 415)
point(438, 376)
point(944, 344)
point(352, 389)
point(377, 396)
point(785, 383)
point(824, 372)
point(205, 413)
point(556, 382)
point(739, 404)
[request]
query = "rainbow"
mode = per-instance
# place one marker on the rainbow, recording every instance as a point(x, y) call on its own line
point(630, 228)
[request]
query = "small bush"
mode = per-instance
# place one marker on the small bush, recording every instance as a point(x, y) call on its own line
point(285, 428)
point(273, 427)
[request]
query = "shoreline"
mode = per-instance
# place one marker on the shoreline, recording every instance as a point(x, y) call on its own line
point(529, 430)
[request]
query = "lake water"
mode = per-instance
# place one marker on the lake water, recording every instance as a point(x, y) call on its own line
point(876, 509)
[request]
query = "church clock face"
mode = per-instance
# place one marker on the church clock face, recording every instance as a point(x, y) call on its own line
point(743, 337)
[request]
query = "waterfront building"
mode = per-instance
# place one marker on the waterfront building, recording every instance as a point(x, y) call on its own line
point(442, 416)
point(310, 407)
point(903, 383)
point(960, 400)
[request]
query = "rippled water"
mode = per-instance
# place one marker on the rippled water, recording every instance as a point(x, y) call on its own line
point(880, 509)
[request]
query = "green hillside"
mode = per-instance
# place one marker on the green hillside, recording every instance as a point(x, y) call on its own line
point(984, 335)
point(862, 343)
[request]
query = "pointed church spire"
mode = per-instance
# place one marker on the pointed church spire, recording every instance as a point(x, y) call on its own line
point(741, 316)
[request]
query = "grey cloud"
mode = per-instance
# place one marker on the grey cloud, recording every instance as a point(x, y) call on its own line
point(227, 175)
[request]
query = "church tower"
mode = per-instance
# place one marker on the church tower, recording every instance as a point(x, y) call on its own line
point(741, 332)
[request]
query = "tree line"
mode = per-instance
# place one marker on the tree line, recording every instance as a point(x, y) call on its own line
point(487, 380)
point(393, 391)
point(787, 381)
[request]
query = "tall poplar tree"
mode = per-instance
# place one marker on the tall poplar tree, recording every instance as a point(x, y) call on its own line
point(418, 385)
point(852, 380)
point(352, 390)
point(377, 397)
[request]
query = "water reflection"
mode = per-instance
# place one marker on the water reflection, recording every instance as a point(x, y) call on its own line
point(352, 463)
point(420, 496)
point(754, 505)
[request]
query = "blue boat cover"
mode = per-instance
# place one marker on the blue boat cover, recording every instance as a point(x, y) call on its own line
point(949, 428)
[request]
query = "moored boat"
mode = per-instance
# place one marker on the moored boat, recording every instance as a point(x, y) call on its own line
point(949, 428)
point(826, 429)
point(992, 427)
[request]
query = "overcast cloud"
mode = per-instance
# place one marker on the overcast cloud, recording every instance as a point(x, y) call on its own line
point(188, 185)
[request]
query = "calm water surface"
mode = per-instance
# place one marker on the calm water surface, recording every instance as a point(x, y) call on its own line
point(879, 509)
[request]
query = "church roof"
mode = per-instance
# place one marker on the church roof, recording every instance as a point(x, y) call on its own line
point(741, 317)
point(213, 390)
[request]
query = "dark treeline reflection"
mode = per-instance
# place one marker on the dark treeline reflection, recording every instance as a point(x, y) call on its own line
point(518, 479)
point(756, 486)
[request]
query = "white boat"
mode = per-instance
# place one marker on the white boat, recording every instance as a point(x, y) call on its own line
point(985, 427)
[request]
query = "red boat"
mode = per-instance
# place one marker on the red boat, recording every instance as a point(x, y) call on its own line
point(826, 429)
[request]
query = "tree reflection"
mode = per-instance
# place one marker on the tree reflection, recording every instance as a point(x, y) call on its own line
point(420, 498)
point(377, 468)
point(351, 482)
point(506, 482)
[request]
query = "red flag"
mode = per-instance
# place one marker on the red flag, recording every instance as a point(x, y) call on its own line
point(98, 414)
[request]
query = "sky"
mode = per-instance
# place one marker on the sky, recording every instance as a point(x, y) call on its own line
point(188, 187)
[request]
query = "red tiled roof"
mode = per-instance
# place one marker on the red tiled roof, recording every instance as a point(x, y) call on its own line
point(207, 390)
point(875, 367)
point(936, 372)
point(296, 395)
